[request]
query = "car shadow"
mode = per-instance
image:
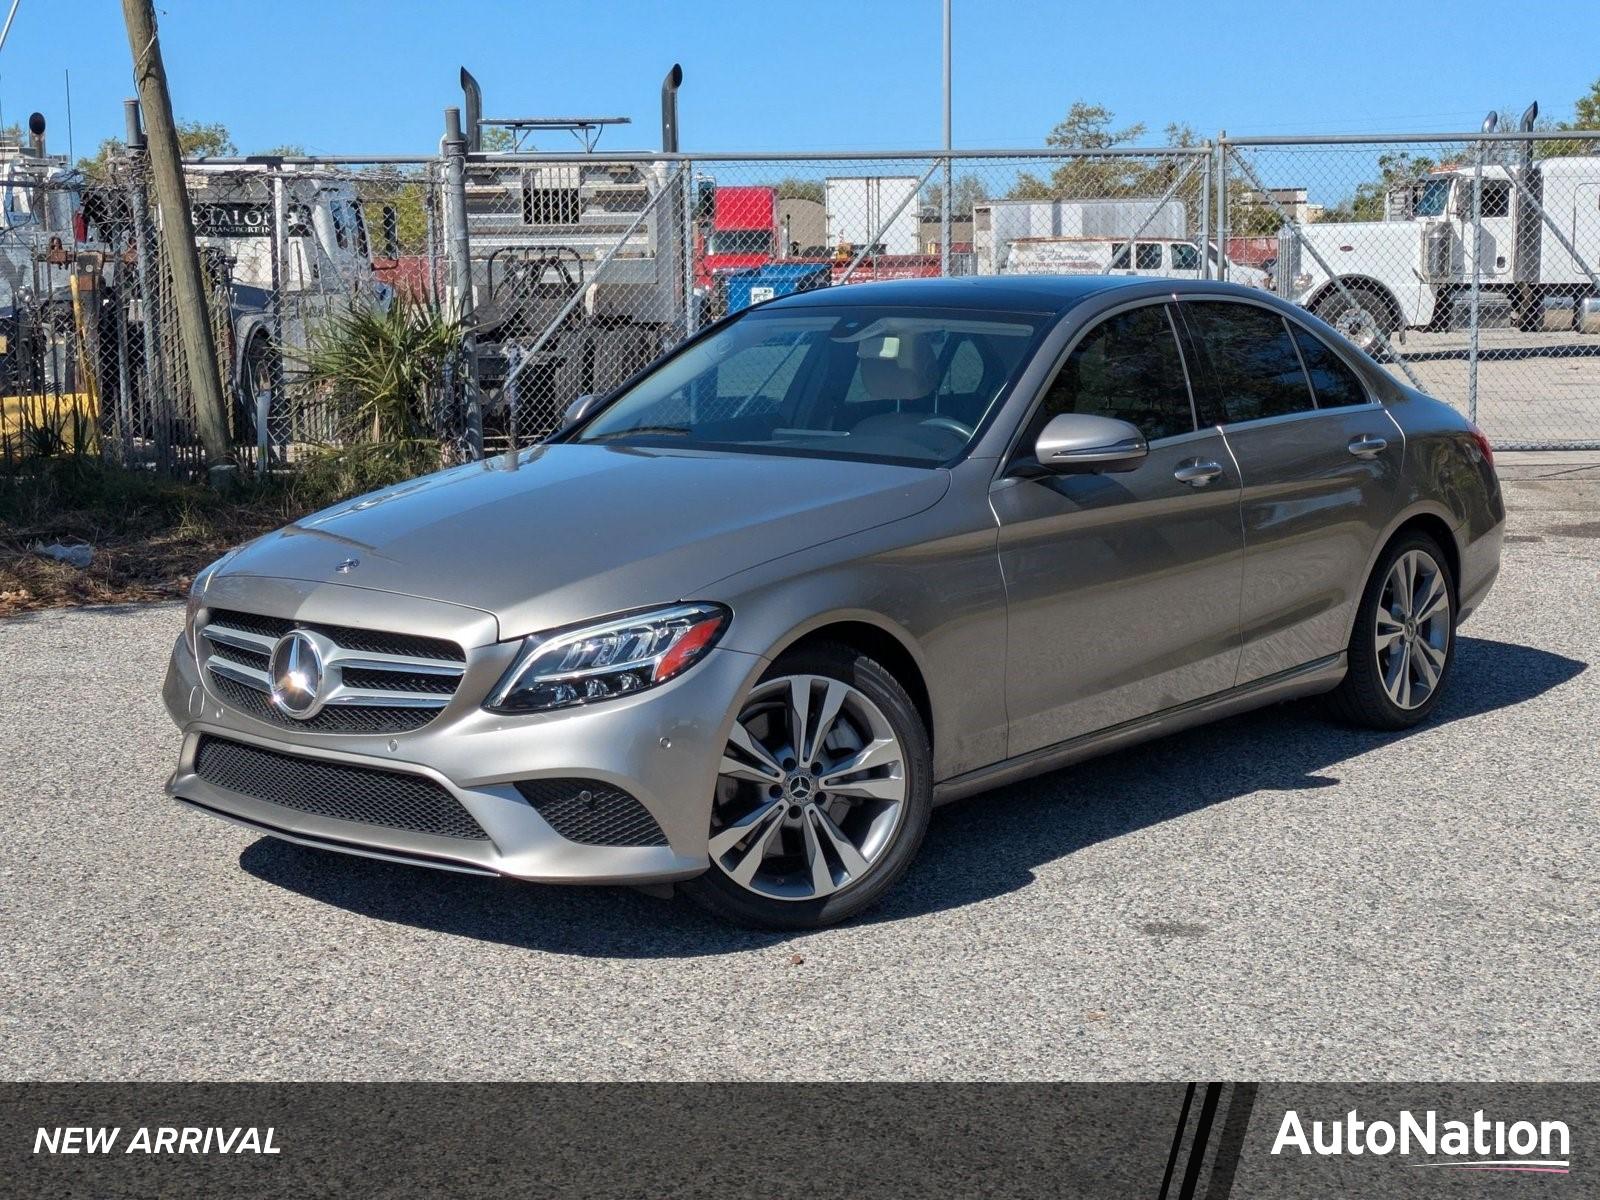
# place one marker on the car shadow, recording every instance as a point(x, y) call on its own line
point(981, 848)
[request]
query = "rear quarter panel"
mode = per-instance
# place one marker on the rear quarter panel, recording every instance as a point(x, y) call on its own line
point(1446, 474)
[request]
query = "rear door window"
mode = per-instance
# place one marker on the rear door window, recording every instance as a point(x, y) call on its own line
point(1147, 256)
point(1252, 361)
point(1335, 384)
point(1129, 367)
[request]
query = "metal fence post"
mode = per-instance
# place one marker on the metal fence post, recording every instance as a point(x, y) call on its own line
point(1222, 204)
point(158, 405)
point(690, 316)
point(459, 250)
point(949, 174)
point(1205, 212)
point(1477, 280)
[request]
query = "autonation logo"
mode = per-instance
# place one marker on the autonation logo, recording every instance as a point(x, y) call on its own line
point(1480, 1144)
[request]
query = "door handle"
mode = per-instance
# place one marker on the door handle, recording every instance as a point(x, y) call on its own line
point(1368, 446)
point(1197, 473)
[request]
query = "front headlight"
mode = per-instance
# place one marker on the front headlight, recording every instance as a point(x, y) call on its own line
point(607, 659)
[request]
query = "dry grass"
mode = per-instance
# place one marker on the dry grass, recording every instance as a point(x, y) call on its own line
point(150, 536)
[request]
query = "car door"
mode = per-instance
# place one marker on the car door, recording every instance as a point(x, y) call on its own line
point(1122, 589)
point(1320, 480)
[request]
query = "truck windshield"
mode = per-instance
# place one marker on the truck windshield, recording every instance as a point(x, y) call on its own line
point(1432, 198)
point(741, 241)
point(880, 384)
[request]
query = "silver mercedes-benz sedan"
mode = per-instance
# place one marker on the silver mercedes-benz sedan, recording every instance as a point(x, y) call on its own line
point(741, 624)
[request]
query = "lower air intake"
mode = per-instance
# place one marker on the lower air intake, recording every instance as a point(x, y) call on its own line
point(393, 799)
point(592, 813)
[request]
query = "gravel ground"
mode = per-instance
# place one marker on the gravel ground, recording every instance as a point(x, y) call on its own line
point(1267, 898)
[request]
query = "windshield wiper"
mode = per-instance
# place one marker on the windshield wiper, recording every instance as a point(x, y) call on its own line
point(648, 430)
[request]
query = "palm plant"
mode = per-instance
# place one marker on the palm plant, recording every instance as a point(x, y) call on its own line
point(383, 371)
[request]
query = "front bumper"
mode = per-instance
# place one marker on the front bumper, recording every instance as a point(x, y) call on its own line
point(662, 746)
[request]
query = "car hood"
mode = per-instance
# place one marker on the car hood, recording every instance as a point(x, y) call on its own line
point(578, 531)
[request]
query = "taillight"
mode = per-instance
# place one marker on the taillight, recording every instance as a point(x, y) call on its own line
point(1482, 439)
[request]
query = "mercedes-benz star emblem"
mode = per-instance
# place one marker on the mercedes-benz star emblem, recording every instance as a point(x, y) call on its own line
point(296, 673)
point(348, 565)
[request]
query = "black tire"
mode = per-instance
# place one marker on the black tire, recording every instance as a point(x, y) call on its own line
point(260, 368)
point(1339, 312)
point(718, 893)
point(1363, 699)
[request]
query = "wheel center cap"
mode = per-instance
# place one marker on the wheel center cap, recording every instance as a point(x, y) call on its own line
point(799, 786)
point(1411, 628)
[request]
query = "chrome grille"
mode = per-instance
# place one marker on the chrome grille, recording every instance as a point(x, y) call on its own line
point(373, 681)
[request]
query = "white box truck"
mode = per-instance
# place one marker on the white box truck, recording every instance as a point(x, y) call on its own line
point(880, 211)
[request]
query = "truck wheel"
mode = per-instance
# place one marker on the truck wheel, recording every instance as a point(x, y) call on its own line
point(261, 367)
point(1361, 320)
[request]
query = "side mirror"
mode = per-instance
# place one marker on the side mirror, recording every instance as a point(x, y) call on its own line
point(580, 408)
point(1075, 443)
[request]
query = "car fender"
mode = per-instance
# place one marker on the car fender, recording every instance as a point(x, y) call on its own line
point(930, 582)
point(1417, 507)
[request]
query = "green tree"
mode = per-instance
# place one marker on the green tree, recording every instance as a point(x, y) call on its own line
point(1398, 168)
point(1087, 127)
point(287, 150)
point(967, 192)
point(792, 187)
point(195, 139)
point(1586, 112)
point(496, 139)
point(200, 139)
point(98, 167)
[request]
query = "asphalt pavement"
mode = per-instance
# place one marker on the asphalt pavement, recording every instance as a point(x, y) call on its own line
point(1273, 897)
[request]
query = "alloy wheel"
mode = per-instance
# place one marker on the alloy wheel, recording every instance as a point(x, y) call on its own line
point(810, 792)
point(1411, 634)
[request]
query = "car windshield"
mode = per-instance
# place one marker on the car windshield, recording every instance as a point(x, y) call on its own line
point(883, 384)
point(1433, 197)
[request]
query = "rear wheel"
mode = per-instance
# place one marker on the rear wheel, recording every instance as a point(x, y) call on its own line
point(1403, 645)
point(823, 795)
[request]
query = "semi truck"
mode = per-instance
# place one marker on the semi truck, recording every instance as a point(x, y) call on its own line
point(577, 266)
point(1414, 268)
point(740, 234)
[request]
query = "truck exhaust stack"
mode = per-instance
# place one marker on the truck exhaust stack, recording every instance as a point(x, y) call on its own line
point(472, 109)
point(669, 109)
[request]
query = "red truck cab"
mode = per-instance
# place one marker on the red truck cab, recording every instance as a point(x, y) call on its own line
point(743, 232)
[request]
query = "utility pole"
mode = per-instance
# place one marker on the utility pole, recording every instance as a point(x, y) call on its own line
point(177, 226)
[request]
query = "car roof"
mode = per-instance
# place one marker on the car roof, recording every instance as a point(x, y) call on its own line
point(1001, 293)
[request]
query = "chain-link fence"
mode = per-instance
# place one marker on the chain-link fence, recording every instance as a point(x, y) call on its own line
point(1467, 265)
point(465, 301)
point(322, 284)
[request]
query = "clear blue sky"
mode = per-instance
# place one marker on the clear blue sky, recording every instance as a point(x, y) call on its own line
point(373, 77)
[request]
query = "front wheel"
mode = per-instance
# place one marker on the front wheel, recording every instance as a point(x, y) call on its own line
point(822, 797)
point(1403, 645)
point(1365, 318)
